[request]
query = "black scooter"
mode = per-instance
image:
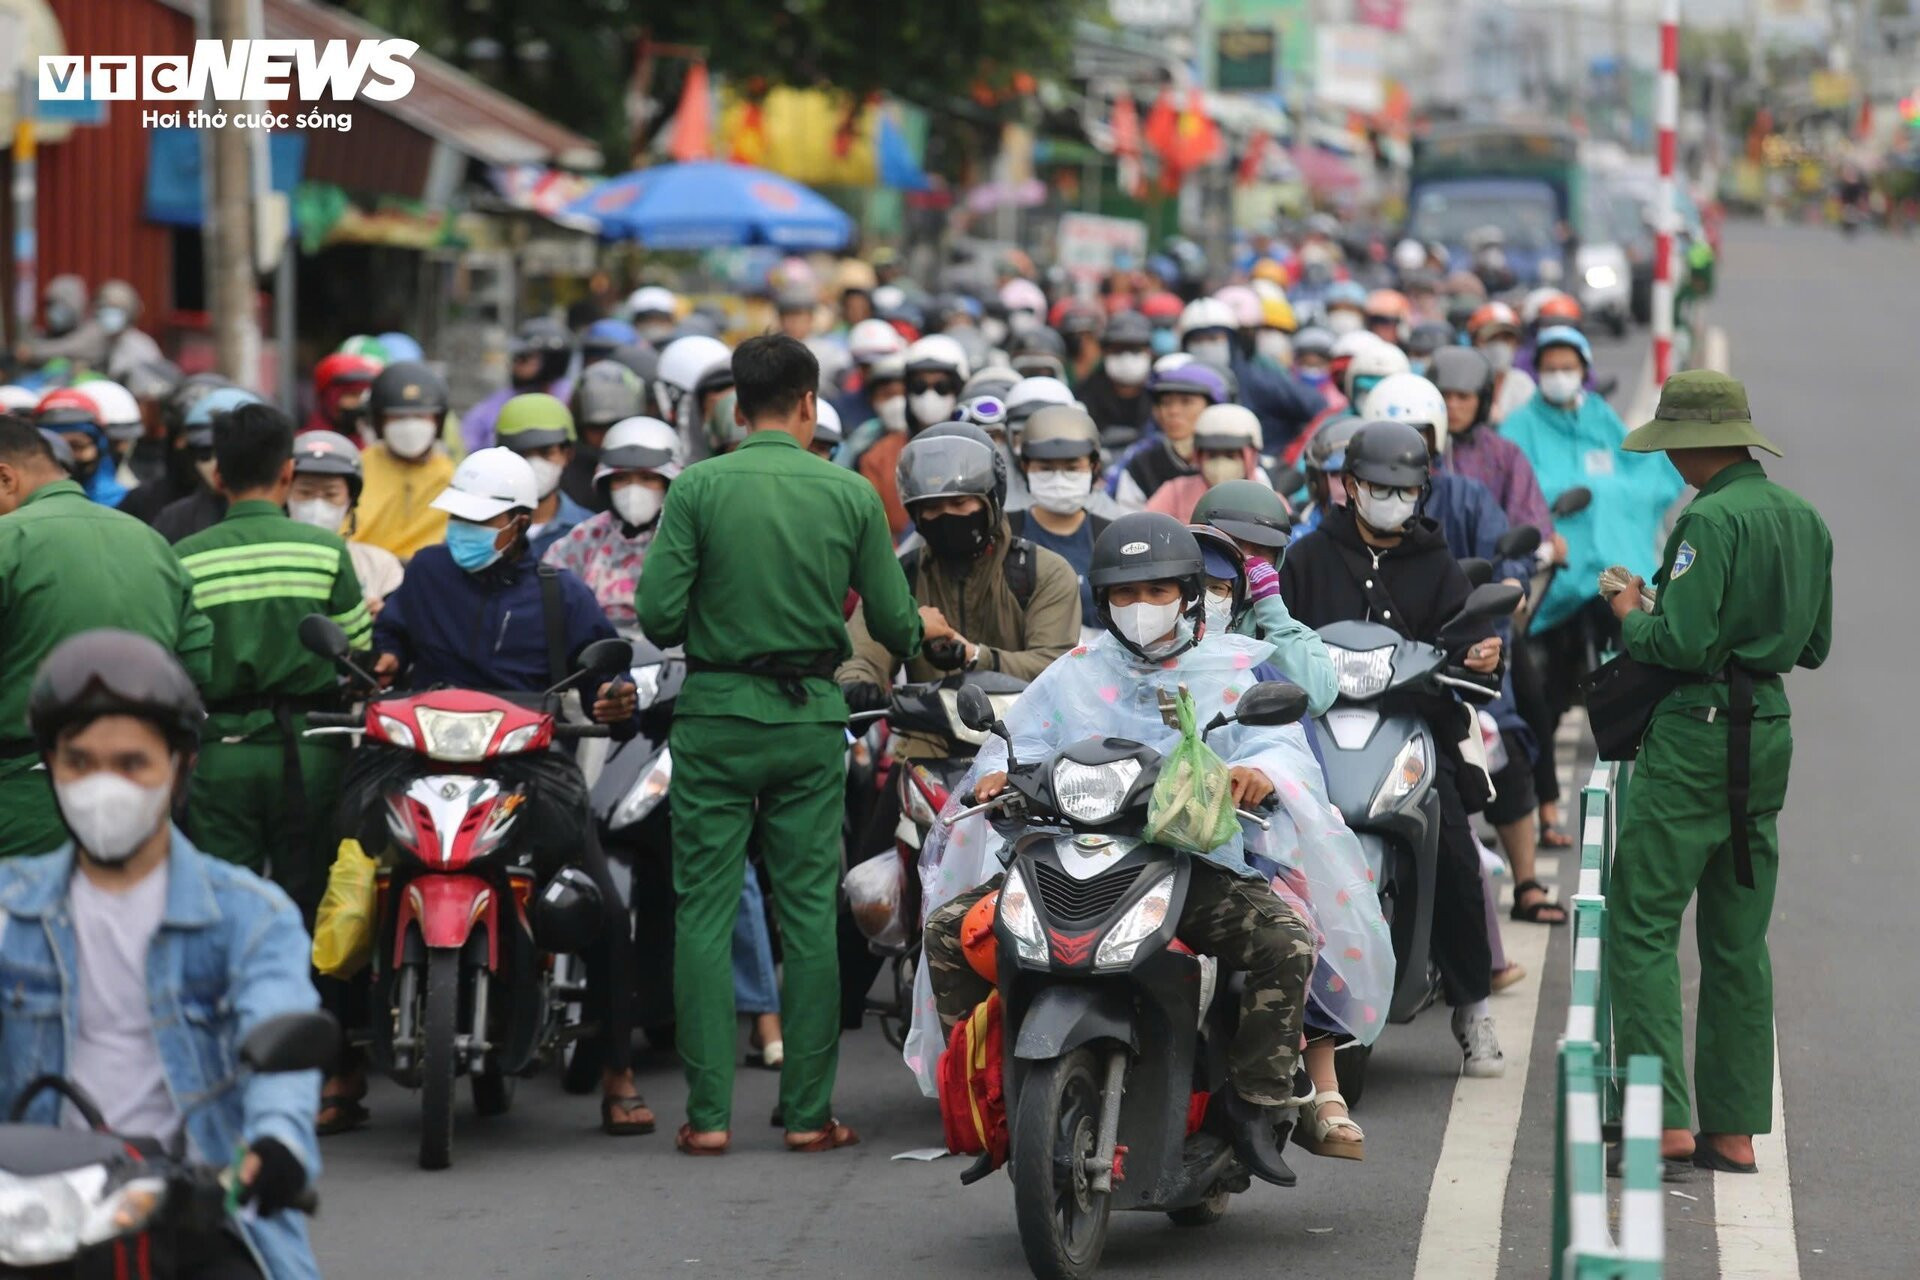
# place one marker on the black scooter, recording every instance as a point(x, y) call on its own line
point(1111, 1026)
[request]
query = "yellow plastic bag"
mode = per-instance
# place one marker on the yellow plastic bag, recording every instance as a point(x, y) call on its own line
point(343, 926)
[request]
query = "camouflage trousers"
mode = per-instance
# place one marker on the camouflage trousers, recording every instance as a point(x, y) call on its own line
point(1238, 921)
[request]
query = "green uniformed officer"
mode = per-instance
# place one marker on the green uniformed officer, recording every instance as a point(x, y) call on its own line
point(262, 795)
point(67, 565)
point(750, 569)
point(1745, 595)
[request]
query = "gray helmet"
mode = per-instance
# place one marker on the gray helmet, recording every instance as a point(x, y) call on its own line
point(994, 380)
point(1059, 431)
point(1327, 451)
point(605, 393)
point(1127, 329)
point(952, 460)
point(328, 453)
point(1462, 369)
point(1388, 453)
point(109, 672)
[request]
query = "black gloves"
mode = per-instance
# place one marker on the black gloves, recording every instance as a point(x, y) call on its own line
point(280, 1180)
point(866, 697)
point(946, 653)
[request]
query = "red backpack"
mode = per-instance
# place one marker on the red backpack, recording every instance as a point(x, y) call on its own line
point(973, 1098)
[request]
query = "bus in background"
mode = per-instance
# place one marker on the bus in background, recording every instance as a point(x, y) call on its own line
point(1507, 198)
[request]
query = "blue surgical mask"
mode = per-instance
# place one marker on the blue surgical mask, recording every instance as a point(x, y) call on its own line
point(1164, 342)
point(1314, 375)
point(472, 545)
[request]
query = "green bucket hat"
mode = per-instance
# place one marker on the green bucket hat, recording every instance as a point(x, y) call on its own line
point(1699, 409)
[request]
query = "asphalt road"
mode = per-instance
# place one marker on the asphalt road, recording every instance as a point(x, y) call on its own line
point(1811, 323)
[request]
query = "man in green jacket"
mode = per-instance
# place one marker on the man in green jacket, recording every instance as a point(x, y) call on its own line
point(68, 565)
point(263, 796)
point(1745, 595)
point(750, 569)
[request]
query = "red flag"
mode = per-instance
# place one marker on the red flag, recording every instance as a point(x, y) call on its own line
point(693, 122)
point(1199, 136)
point(1163, 125)
point(1251, 159)
point(1126, 146)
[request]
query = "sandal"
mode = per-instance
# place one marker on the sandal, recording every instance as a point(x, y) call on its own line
point(1314, 1132)
point(834, 1136)
point(340, 1113)
point(1707, 1156)
point(1532, 912)
point(625, 1117)
point(1504, 978)
point(683, 1143)
point(1554, 838)
point(767, 1057)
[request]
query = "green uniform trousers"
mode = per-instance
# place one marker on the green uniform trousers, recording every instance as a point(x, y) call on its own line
point(237, 811)
point(29, 819)
point(1674, 842)
point(782, 789)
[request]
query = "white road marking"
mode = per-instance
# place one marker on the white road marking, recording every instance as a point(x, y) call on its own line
point(1754, 1212)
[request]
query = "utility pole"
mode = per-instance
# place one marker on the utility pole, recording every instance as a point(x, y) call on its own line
point(229, 226)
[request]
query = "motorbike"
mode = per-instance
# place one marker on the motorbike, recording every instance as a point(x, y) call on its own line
point(889, 919)
point(1381, 755)
point(76, 1202)
point(1111, 1025)
point(459, 984)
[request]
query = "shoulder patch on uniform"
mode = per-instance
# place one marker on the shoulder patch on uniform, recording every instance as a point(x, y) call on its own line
point(1682, 560)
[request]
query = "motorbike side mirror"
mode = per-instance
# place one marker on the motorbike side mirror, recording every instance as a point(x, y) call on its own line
point(605, 659)
point(975, 708)
point(1573, 501)
point(1288, 481)
point(1518, 542)
point(308, 1040)
point(1271, 703)
point(321, 635)
point(1605, 387)
point(1479, 572)
point(1494, 600)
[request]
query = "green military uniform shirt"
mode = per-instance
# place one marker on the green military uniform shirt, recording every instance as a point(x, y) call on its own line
point(256, 574)
point(1747, 578)
point(67, 565)
point(754, 556)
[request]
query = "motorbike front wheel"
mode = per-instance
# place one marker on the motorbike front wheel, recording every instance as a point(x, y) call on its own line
point(1063, 1220)
point(439, 1030)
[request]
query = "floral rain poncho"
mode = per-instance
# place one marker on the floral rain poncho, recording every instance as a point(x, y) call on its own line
point(1312, 859)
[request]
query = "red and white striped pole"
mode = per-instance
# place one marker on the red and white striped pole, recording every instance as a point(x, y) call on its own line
point(1666, 120)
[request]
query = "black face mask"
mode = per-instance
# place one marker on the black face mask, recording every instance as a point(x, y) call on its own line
point(957, 540)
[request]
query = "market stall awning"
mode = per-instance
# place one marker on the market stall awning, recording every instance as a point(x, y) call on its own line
point(711, 204)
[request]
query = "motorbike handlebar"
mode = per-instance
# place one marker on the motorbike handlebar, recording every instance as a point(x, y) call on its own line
point(308, 1201)
point(569, 732)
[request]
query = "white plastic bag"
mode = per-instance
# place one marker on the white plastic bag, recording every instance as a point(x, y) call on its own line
point(877, 894)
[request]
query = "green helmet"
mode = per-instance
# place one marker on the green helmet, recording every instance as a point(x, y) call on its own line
point(1246, 511)
point(365, 344)
point(533, 421)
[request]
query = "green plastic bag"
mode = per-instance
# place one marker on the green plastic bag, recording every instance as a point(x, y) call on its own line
point(1192, 803)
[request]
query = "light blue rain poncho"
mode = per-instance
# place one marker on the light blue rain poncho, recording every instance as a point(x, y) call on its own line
point(1311, 858)
point(1579, 445)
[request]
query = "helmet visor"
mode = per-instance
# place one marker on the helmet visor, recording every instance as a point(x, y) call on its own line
point(945, 467)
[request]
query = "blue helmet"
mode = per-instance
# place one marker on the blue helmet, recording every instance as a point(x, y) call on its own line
point(1345, 293)
point(400, 347)
point(221, 400)
point(1564, 335)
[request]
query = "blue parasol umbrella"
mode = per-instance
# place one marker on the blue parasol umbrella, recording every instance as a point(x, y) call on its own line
point(710, 204)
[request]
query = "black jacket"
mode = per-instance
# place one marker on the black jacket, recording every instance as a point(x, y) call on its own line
point(184, 517)
point(1416, 585)
point(1108, 408)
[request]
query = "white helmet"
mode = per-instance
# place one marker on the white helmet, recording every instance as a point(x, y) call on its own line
point(17, 399)
point(684, 365)
point(871, 339)
point(1408, 398)
point(1409, 255)
point(826, 423)
point(1244, 303)
point(1171, 361)
point(1349, 345)
point(1205, 313)
point(1222, 427)
point(652, 300)
point(1381, 360)
point(1030, 395)
point(119, 411)
point(639, 444)
point(937, 351)
point(1023, 295)
point(487, 483)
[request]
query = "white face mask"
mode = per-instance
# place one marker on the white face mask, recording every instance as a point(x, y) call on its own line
point(637, 504)
point(319, 513)
point(1386, 515)
point(1211, 350)
point(1345, 320)
point(930, 407)
point(410, 437)
point(1145, 624)
point(1275, 346)
point(1219, 614)
point(994, 331)
point(893, 413)
point(546, 475)
point(1061, 492)
point(1560, 386)
point(1220, 470)
point(1129, 368)
point(1499, 355)
point(111, 816)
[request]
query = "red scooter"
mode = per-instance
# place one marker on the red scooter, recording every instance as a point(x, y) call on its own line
point(463, 978)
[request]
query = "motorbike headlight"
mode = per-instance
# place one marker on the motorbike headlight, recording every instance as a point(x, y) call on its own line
point(50, 1219)
point(1016, 912)
point(1093, 792)
point(519, 740)
point(646, 794)
point(1143, 918)
point(1363, 673)
point(1602, 277)
point(395, 731)
point(1409, 767)
point(457, 735)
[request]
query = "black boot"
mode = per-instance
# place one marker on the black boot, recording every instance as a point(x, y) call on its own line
point(1258, 1134)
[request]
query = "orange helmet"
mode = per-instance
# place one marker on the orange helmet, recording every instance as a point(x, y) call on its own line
point(976, 938)
point(1562, 308)
point(1390, 303)
point(1494, 316)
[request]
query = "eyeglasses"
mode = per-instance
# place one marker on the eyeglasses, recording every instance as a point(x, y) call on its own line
point(917, 386)
point(1383, 492)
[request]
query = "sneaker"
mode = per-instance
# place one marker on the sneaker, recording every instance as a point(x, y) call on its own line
point(1484, 1060)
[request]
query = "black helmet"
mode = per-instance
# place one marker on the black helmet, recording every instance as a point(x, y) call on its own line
point(406, 387)
point(549, 339)
point(108, 672)
point(951, 460)
point(1040, 341)
point(567, 913)
point(1080, 318)
point(1313, 341)
point(640, 357)
point(1388, 453)
point(1128, 329)
point(1327, 450)
point(1217, 552)
point(1246, 511)
point(1429, 337)
point(1147, 547)
point(62, 451)
point(604, 393)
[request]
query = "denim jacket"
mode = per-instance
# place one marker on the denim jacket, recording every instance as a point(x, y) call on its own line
point(230, 952)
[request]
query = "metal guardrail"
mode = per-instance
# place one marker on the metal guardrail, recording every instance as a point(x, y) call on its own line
point(1589, 1099)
